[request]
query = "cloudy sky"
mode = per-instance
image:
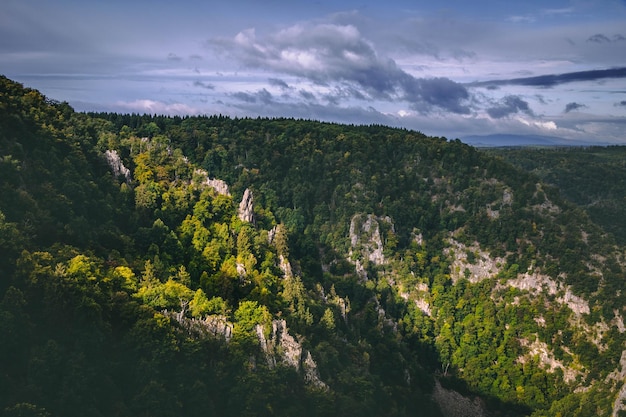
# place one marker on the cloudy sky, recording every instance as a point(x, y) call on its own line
point(450, 68)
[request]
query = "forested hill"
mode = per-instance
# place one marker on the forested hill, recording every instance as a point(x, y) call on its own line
point(197, 266)
point(593, 177)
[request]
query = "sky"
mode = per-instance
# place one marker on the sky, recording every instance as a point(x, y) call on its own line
point(450, 68)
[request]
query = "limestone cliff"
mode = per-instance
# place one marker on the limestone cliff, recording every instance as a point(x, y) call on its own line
point(366, 244)
point(220, 186)
point(212, 325)
point(282, 347)
point(246, 213)
point(117, 166)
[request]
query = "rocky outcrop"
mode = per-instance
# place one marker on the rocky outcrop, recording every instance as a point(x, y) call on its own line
point(537, 283)
point(117, 166)
point(218, 185)
point(285, 266)
point(281, 347)
point(540, 350)
point(344, 307)
point(424, 305)
point(241, 270)
point(383, 320)
point(246, 213)
point(418, 238)
point(419, 295)
point(546, 206)
point(311, 374)
point(219, 326)
point(213, 325)
point(482, 265)
point(366, 244)
point(618, 377)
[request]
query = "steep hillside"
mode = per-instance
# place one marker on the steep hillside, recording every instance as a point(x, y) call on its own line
point(208, 265)
point(592, 177)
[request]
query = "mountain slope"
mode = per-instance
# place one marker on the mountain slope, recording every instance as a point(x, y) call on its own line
point(592, 177)
point(279, 267)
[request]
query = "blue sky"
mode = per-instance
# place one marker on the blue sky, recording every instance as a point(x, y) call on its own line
point(454, 68)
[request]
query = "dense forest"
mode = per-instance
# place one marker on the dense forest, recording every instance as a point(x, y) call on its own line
point(167, 266)
point(592, 177)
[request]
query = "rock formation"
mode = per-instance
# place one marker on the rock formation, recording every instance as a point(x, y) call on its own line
point(246, 213)
point(285, 266)
point(482, 267)
point(366, 244)
point(281, 347)
point(218, 185)
point(117, 166)
point(213, 325)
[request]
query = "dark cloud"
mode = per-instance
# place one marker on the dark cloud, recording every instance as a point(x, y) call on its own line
point(342, 92)
point(245, 97)
point(507, 106)
point(621, 104)
point(440, 92)
point(262, 96)
point(277, 82)
point(338, 56)
point(307, 95)
point(173, 57)
point(203, 85)
point(600, 38)
point(552, 80)
point(573, 106)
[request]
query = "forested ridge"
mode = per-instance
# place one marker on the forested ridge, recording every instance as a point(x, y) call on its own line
point(207, 265)
point(593, 177)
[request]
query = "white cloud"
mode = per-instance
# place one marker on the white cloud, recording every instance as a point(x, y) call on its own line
point(156, 107)
point(339, 56)
point(540, 125)
point(375, 65)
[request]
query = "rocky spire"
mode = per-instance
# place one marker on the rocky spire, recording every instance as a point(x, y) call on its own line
point(116, 164)
point(246, 213)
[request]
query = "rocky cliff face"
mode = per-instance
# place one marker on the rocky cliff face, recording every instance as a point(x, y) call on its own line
point(117, 166)
point(366, 244)
point(213, 325)
point(281, 347)
point(285, 266)
point(246, 213)
point(218, 185)
point(481, 266)
point(536, 283)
